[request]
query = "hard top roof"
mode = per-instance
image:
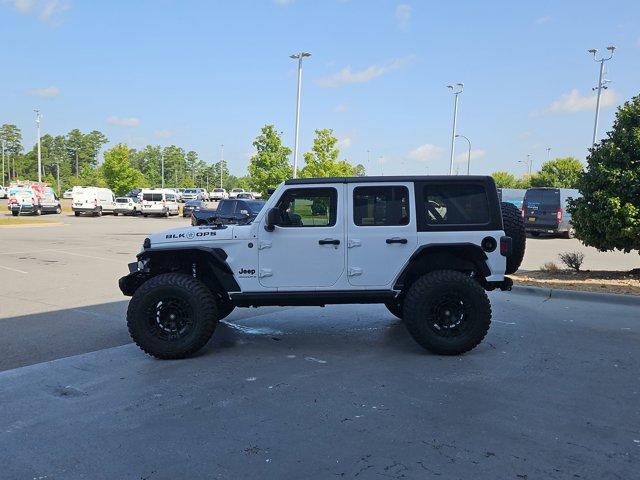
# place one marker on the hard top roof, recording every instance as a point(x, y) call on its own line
point(381, 179)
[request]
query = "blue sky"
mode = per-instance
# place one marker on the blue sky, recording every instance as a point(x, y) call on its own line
point(202, 73)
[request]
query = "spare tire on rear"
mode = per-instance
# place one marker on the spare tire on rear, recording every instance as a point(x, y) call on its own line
point(514, 227)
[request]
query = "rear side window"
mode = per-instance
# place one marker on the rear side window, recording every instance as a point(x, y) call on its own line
point(152, 197)
point(308, 207)
point(543, 196)
point(455, 204)
point(380, 206)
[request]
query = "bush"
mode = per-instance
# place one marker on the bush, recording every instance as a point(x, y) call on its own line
point(549, 267)
point(572, 260)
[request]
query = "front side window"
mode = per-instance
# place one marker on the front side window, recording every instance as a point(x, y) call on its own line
point(380, 206)
point(308, 207)
point(225, 208)
point(455, 204)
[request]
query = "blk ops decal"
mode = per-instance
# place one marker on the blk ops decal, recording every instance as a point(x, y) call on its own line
point(246, 273)
point(190, 235)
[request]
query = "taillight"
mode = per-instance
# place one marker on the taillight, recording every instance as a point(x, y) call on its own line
point(559, 215)
point(506, 246)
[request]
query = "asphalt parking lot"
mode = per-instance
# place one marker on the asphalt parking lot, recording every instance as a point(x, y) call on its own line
point(300, 392)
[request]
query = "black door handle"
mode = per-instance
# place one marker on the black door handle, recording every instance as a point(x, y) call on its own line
point(329, 241)
point(396, 240)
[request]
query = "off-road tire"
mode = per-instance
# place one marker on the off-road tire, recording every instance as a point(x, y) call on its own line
point(142, 323)
point(423, 309)
point(395, 308)
point(514, 227)
point(15, 213)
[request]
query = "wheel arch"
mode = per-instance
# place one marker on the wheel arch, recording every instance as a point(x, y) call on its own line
point(461, 257)
point(208, 265)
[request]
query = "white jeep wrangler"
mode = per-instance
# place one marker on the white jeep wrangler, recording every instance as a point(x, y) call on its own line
point(425, 246)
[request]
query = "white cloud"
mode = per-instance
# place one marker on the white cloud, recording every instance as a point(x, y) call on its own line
point(403, 15)
point(340, 108)
point(47, 11)
point(123, 121)
point(347, 76)
point(164, 133)
point(426, 153)
point(475, 155)
point(283, 2)
point(46, 92)
point(344, 142)
point(543, 20)
point(574, 102)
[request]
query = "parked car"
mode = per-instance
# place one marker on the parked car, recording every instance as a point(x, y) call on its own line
point(245, 196)
point(191, 206)
point(229, 211)
point(192, 194)
point(68, 194)
point(235, 191)
point(178, 194)
point(93, 200)
point(159, 201)
point(181, 192)
point(218, 194)
point(136, 192)
point(32, 197)
point(4, 193)
point(545, 211)
point(256, 194)
point(128, 206)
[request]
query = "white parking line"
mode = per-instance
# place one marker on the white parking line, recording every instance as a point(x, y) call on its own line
point(81, 255)
point(14, 270)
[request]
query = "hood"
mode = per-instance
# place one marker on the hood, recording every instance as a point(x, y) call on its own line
point(191, 235)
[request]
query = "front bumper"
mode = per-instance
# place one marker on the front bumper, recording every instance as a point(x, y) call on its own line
point(84, 209)
point(124, 211)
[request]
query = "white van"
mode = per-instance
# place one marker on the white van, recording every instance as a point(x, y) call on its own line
point(159, 201)
point(92, 200)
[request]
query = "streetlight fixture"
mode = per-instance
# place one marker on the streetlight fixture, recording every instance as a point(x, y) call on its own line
point(456, 90)
point(468, 154)
point(299, 57)
point(38, 116)
point(601, 84)
point(528, 162)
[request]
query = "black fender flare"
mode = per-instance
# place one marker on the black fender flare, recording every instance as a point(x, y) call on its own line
point(212, 267)
point(443, 256)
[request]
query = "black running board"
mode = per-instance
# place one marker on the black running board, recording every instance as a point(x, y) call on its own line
point(311, 298)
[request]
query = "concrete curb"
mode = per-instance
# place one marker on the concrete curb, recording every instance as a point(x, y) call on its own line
point(552, 293)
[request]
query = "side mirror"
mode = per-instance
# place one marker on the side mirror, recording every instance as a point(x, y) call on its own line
point(273, 218)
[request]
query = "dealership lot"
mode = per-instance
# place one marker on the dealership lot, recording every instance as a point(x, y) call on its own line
point(301, 392)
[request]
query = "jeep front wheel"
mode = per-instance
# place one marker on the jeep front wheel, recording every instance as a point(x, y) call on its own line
point(172, 316)
point(447, 312)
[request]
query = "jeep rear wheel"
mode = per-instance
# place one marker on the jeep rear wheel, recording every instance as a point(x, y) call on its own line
point(172, 316)
point(447, 312)
point(513, 224)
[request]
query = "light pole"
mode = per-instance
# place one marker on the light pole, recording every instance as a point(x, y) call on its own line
point(221, 160)
point(601, 85)
point(381, 162)
point(528, 162)
point(39, 156)
point(299, 57)
point(548, 153)
point(456, 90)
point(162, 168)
point(468, 154)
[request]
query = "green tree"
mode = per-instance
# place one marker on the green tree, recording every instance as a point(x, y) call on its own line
point(527, 180)
point(607, 216)
point(118, 171)
point(560, 173)
point(83, 149)
point(505, 180)
point(149, 162)
point(322, 160)
point(270, 165)
point(175, 168)
point(12, 137)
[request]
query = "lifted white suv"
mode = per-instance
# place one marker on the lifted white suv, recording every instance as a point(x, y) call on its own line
point(427, 247)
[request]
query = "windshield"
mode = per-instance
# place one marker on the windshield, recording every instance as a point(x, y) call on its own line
point(237, 190)
point(218, 190)
point(152, 197)
point(190, 190)
point(255, 207)
point(194, 203)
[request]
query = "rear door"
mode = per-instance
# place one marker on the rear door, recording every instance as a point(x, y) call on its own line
point(381, 231)
point(541, 207)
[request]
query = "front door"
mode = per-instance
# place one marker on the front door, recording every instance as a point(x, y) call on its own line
point(381, 232)
point(307, 249)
